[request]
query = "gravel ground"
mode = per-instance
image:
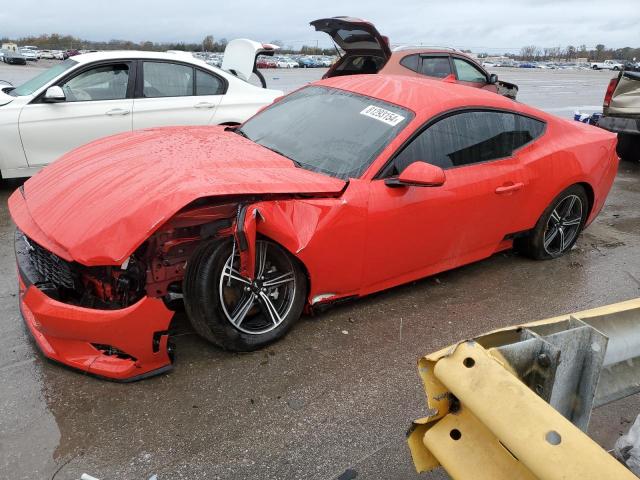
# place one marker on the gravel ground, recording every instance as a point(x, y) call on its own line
point(320, 402)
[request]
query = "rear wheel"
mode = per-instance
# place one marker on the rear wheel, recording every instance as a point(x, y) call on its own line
point(558, 228)
point(234, 312)
point(628, 147)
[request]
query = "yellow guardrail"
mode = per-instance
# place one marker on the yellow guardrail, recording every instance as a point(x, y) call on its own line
point(513, 404)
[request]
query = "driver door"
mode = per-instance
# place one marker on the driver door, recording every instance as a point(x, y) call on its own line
point(415, 231)
point(98, 103)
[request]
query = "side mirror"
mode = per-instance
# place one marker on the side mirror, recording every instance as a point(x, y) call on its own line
point(493, 79)
point(419, 174)
point(54, 94)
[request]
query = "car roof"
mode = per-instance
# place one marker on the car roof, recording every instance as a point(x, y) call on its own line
point(401, 52)
point(425, 49)
point(117, 54)
point(424, 96)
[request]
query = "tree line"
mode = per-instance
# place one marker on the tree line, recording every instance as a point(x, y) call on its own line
point(599, 53)
point(55, 41)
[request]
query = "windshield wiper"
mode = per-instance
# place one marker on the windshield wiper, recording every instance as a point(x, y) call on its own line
point(275, 150)
point(241, 133)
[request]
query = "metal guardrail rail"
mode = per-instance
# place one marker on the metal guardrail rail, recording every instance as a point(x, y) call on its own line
point(515, 403)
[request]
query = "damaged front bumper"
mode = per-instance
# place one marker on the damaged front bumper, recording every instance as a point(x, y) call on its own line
point(124, 344)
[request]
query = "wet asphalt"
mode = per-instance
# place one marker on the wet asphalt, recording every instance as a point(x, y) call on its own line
point(336, 396)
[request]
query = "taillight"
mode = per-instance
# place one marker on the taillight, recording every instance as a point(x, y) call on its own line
point(610, 89)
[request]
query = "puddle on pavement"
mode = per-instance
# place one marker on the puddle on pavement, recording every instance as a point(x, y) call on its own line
point(30, 435)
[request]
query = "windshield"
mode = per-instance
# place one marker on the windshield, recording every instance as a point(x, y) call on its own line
point(327, 130)
point(41, 80)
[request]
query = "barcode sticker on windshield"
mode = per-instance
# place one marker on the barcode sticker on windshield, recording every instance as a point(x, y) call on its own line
point(383, 115)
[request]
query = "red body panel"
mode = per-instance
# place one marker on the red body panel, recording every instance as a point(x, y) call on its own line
point(100, 202)
point(123, 187)
point(66, 333)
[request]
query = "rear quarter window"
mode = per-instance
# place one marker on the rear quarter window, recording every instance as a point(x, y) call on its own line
point(412, 62)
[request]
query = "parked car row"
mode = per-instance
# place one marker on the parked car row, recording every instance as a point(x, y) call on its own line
point(296, 61)
point(22, 55)
point(606, 65)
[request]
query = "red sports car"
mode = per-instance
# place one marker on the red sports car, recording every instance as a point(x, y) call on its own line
point(345, 187)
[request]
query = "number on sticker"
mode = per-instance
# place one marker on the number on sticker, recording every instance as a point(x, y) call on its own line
point(383, 115)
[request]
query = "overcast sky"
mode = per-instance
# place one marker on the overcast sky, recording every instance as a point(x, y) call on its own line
point(483, 25)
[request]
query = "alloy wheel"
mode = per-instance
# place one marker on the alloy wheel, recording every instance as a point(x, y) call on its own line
point(563, 225)
point(259, 306)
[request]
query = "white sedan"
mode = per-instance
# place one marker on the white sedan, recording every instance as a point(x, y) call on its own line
point(286, 63)
point(90, 96)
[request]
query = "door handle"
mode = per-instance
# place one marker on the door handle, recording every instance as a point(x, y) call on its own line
point(514, 187)
point(204, 105)
point(117, 111)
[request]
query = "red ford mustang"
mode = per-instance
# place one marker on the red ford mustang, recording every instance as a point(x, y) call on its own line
point(343, 188)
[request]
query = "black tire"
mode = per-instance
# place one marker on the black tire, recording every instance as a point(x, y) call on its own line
point(208, 300)
point(533, 245)
point(628, 147)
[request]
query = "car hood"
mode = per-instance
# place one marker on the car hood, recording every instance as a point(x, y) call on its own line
point(101, 201)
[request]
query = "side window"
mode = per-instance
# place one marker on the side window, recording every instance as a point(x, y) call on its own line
point(106, 82)
point(531, 129)
point(436, 67)
point(163, 79)
point(469, 137)
point(468, 73)
point(412, 62)
point(207, 84)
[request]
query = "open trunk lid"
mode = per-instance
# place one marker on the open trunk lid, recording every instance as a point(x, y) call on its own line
point(625, 100)
point(352, 34)
point(240, 57)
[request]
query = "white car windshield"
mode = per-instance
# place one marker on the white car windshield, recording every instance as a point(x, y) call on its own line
point(41, 80)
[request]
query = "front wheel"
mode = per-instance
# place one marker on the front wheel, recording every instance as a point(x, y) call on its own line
point(234, 312)
point(558, 228)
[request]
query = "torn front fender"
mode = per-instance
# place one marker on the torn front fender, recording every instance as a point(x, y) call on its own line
point(327, 235)
point(245, 237)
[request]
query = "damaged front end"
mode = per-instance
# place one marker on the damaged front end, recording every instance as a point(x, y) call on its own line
point(112, 321)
